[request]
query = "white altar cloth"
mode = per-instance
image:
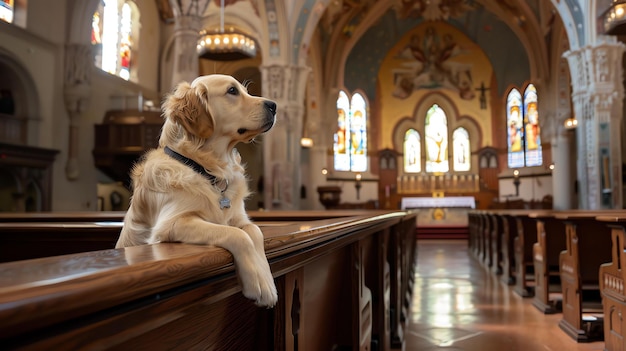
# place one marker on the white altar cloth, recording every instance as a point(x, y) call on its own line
point(433, 202)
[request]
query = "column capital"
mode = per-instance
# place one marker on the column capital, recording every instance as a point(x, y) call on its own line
point(597, 68)
point(284, 83)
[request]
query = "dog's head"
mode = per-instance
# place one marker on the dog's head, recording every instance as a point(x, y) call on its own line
point(218, 107)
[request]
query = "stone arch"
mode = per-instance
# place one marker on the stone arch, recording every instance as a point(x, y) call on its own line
point(19, 81)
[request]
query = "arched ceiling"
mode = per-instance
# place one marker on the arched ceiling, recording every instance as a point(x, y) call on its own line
point(514, 34)
point(356, 34)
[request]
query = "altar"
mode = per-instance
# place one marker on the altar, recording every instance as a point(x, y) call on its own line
point(449, 211)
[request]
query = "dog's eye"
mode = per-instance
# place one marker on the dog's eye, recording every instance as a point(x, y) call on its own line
point(233, 91)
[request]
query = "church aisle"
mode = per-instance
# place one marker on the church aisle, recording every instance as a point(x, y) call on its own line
point(459, 305)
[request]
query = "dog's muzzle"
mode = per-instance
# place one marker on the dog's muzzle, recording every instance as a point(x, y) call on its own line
point(270, 116)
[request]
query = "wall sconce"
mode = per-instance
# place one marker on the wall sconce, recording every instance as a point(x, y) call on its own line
point(551, 166)
point(570, 123)
point(324, 171)
point(516, 181)
point(357, 185)
point(306, 142)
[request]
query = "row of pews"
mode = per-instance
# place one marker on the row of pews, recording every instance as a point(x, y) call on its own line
point(344, 281)
point(568, 262)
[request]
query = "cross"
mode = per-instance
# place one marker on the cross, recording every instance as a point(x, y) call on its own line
point(483, 96)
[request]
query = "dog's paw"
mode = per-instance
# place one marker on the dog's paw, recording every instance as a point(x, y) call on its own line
point(258, 285)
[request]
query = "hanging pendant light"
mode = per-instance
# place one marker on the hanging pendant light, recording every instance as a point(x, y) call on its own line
point(614, 18)
point(221, 45)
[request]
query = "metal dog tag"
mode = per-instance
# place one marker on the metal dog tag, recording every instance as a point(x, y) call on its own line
point(224, 202)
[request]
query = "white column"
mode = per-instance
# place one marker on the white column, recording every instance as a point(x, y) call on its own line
point(187, 25)
point(186, 35)
point(562, 178)
point(281, 146)
point(597, 94)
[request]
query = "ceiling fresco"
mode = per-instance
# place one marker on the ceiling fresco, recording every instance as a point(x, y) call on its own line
point(492, 35)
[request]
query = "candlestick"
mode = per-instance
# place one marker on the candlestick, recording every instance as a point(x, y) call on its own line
point(357, 185)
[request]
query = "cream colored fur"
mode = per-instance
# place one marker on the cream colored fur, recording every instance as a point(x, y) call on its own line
point(171, 202)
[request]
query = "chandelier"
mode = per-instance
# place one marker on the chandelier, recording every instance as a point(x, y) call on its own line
point(614, 18)
point(219, 45)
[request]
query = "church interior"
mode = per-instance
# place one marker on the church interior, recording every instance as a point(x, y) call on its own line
point(415, 140)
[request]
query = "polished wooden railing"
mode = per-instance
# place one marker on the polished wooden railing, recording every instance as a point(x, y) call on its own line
point(344, 282)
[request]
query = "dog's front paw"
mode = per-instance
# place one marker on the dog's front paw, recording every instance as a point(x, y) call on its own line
point(258, 284)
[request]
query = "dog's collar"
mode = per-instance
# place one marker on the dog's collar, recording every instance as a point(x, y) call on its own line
point(191, 164)
point(224, 201)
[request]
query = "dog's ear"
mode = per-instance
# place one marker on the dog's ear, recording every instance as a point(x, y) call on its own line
point(188, 106)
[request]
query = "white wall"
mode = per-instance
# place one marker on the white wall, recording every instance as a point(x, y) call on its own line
point(39, 50)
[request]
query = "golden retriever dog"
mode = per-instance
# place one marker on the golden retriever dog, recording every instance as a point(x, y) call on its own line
point(191, 189)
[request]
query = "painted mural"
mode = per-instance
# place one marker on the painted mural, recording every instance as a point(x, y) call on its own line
point(433, 59)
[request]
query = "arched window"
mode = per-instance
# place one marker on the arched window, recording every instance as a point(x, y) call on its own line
point(412, 151)
point(461, 150)
point(114, 31)
point(524, 141)
point(436, 132)
point(532, 147)
point(350, 144)
point(515, 131)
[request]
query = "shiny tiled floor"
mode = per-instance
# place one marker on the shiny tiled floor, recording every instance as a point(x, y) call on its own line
point(459, 305)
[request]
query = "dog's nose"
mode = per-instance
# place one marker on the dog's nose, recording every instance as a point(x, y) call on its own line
point(271, 105)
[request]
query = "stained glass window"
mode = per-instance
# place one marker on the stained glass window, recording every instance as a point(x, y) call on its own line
point(6, 10)
point(412, 151)
point(350, 140)
point(523, 133)
point(342, 159)
point(461, 150)
point(113, 36)
point(532, 147)
point(515, 131)
point(436, 132)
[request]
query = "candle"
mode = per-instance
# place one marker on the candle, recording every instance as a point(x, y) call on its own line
point(386, 190)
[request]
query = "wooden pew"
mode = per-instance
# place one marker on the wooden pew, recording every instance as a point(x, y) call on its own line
point(473, 223)
point(22, 241)
point(487, 256)
point(507, 248)
point(485, 249)
point(526, 237)
point(476, 227)
point(588, 246)
point(497, 234)
point(331, 295)
point(549, 243)
point(613, 284)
